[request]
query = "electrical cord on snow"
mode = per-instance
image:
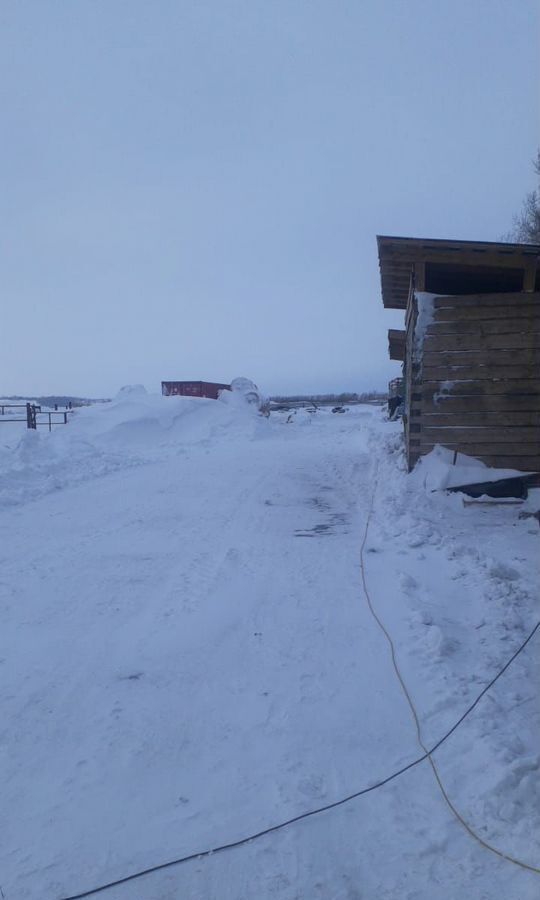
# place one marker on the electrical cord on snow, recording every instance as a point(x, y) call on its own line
point(428, 753)
point(314, 812)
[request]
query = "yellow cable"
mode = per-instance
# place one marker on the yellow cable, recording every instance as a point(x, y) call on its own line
point(407, 695)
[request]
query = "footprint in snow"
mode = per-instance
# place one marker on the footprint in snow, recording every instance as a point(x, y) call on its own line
point(408, 583)
point(503, 572)
point(313, 786)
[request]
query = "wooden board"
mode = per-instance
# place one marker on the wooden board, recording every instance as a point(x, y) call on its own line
point(481, 403)
point(481, 435)
point(454, 342)
point(476, 418)
point(511, 299)
point(478, 373)
point(529, 276)
point(480, 450)
point(455, 314)
point(473, 387)
point(461, 256)
point(523, 463)
point(396, 344)
point(412, 378)
point(482, 327)
point(493, 358)
point(500, 460)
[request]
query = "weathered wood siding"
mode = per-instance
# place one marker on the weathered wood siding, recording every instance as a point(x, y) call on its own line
point(476, 386)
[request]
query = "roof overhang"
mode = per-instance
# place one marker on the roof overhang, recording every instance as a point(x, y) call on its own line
point(399, 256)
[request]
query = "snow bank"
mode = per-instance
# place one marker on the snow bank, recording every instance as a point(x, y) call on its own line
point(133, 429)
point(436, 471)
point(132, 390)
point(467, 598)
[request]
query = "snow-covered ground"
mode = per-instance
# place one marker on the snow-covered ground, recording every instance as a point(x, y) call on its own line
point(188, 657)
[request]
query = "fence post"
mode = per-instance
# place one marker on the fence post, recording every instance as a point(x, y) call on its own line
point(30, 416)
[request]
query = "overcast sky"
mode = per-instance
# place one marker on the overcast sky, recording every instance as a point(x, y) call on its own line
point(193, 189)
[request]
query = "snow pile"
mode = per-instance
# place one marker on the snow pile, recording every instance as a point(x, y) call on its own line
point(468, 597)
point(134, 428)
point(243, 392)
point(437, 470)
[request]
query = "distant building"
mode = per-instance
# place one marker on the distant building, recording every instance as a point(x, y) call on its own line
point(470, 347)
point(208, 389)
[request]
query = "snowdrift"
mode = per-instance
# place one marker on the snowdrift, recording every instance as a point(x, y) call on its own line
point(133, 429)
point(436, 471)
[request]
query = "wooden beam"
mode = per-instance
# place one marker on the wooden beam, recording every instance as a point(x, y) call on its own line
point(477, 373)
point(529, 276)
point(502, 298)
point(485, 258)
point(523, 463)
point(490, 358)
point(459, 313)
point(396, 344)
point(483, 435)
point(482, 327)
point(475, 418)
point(453, 342)
point(389, 242)
point(420, 276)
point(489, 447)
point(480, 403)
point(512, 388)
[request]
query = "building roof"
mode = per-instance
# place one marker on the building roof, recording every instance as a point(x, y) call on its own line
point(399, 255)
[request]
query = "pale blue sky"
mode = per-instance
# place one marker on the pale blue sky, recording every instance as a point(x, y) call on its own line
point(193, 189)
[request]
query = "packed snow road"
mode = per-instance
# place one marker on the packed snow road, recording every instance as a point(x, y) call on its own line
point(188, 658)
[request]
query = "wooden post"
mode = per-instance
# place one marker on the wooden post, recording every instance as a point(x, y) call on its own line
point(420, 276)
point(30, 416)
point(529, 277)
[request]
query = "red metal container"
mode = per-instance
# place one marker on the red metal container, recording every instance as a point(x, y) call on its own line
point(208, 389)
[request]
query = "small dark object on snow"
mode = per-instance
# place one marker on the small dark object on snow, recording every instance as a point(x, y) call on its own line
point(531, 515)
point(504, 487)
point(339, 409)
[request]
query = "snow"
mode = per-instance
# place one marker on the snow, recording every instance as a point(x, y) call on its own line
point(445, 390)
point(188, 658)
point(437, 470)
point(425, 317)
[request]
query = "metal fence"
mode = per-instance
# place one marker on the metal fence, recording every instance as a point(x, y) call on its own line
point(33, 415)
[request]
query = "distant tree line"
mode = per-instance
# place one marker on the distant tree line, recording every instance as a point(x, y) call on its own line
point(58, 399)
point(345, 397)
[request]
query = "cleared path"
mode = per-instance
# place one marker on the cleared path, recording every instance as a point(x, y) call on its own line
point(189, 659)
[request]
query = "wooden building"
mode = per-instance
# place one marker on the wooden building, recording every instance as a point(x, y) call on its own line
point(470, 346)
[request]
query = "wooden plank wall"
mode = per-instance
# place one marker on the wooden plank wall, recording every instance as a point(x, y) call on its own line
point(488, 347)
point(412, 380)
